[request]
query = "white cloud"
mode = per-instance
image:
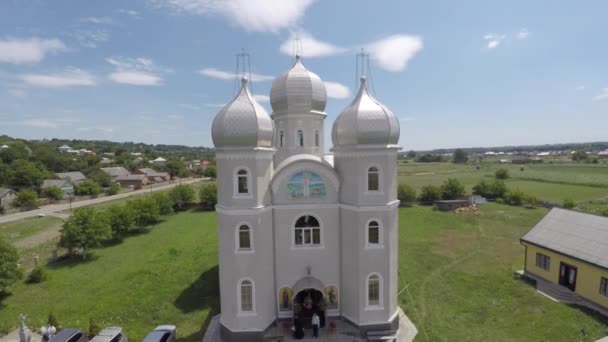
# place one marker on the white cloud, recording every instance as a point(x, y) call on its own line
point(136, 71)
point(139, 78)
point(28, 50)
point(603, 95)
point(523, 34)
point(128, 12)
point(259, 15)
point(227, 76)
point(188, 106)
point(311, 47)
point(262, 98)
point(38, 123)
point(493, 40)
point(337, 90)
point(96, 20)
point(91, 38)
point(106, 130)
point(72, 77)
point(393, 53)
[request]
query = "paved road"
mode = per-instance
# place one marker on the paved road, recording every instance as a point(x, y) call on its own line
point(53, 208)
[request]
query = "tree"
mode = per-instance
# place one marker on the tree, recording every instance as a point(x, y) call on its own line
point(86, 228)
point(37, 275)
point(429, 194)
point(499, 188)
point(26, 198)
point(121, 219)
point(406, 193)
point(429, 158)
point(165, 203)
point(9, 267)
point(496, 189)
point(176, 168)
point(145, 211)
point(579, 155)
point(501, 174)
point(25, 174)
point(53, 192)
point(210, 171)
point(460, 156)
point(181, 195)
point(208, 195)
point(101, 178)
point(113, 189)
point(451, 189)
point(411, 154)
point(88, 187)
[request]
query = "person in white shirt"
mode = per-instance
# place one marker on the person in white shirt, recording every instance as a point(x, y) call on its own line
point(315, 325)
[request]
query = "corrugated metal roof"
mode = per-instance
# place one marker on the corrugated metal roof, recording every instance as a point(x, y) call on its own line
point(579, 235)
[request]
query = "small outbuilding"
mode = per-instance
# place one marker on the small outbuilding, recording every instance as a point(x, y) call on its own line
point(132, 181)
point(73, 177)
point(448, 205)
point(66, 186)
point(7, 196)
point(116, 171)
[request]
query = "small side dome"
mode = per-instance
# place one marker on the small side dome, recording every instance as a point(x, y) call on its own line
point(243, 122)
point(365, 121)
point(298, 91)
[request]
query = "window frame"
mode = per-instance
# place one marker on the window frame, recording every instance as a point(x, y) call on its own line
point(543, 261)
point(379, 178)
point(236, 176)
point(317, 140)
point(379, 305)
point(304, 231)
point(300, 137)
point(604, 284)
point(368, 244)
point(239, 291)
point(281, 138)
point(237, 239)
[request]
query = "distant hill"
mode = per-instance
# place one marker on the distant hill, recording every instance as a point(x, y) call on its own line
point(591, 146)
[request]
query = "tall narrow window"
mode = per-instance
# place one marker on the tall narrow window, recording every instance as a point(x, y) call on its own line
point(543, 261)
point(317, 138)
point(246, 296)
point(281, 138)
point(604, 286)
point(244, 237)
point(373, 181)
point(307, 231)
point(300, 138)
point(373, 233)
point(373, 290)
point(242, 181)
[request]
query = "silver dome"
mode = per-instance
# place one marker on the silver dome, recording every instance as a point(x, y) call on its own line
point(365, 121)
point(243, 122)
point(298, 91)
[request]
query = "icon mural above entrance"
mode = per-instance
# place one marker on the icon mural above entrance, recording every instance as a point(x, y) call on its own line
point(306, 184)
point(331, 293)
point(285, 299)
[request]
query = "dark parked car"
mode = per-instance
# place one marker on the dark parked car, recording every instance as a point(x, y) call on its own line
point(111, 334)
point(162, 333)
point(70, 335)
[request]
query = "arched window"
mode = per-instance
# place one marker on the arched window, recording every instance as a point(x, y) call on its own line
point(300, 138)
point(373, 290)
point(244, 237)
point(373, 233)
point(281, 138)
point(307, 231)
point(317, 138)
point(246, 296)
point(242, 182)
point(373, 179)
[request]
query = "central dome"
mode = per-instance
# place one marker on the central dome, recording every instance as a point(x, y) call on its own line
point(298, 91)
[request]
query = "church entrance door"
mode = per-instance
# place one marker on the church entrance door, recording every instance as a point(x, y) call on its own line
point(306, 303)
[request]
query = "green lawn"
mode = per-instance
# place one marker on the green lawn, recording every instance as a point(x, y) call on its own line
point(22, 229)
point(457, 271)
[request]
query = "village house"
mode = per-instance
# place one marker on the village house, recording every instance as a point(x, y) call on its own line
point(73, 177)
point(159, 161)
point(131, 181)
point(65, 185)
point(153, 176)
point(566, 253)
point(115, 172)
point(64, 148)
point(7, 196)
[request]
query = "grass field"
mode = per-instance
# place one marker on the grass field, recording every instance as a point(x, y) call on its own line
point(457, 269)
point(548, 182)
point(18, 230)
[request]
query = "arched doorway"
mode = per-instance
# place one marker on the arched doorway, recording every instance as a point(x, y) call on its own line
point(306, 303)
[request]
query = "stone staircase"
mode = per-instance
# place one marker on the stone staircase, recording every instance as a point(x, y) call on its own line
point(558, 292)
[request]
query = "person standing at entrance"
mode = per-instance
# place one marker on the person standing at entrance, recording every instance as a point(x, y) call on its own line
point(315, 325)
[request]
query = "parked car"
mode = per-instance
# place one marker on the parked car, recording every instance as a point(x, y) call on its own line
point(70, 335)
point(110, 334)
point(162, 333)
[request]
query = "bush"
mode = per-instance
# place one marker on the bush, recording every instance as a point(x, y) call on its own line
point(451, 189)
point(88, 187)
point(518, 197)
point(164, 202)
point(501, 174)
point(406, 193)
point(496, 189)
point(26, 198)
point(459, 157)
point(145, 210)
point(429, 194)
point(37, 275)
point(568, 203)
point(181, 195)
point(121, 220)
point(86, 228)
point(94, 328)
point(604, 212)
point(209, 171)
point(53, 192)
point(9, 267)
point(113, 189)
point(208, 196)
point(52, 320)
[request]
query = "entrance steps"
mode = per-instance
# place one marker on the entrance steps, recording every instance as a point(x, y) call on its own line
point(558, 292)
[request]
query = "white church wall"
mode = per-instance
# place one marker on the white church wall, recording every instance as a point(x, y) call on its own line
point(259, 167)
point(308, 123)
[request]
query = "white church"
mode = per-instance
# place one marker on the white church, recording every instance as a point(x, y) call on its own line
point(300, 231)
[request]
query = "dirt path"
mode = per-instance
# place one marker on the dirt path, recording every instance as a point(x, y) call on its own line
point(40, 238)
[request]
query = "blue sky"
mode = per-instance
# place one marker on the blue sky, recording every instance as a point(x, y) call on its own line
point(457, 74)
